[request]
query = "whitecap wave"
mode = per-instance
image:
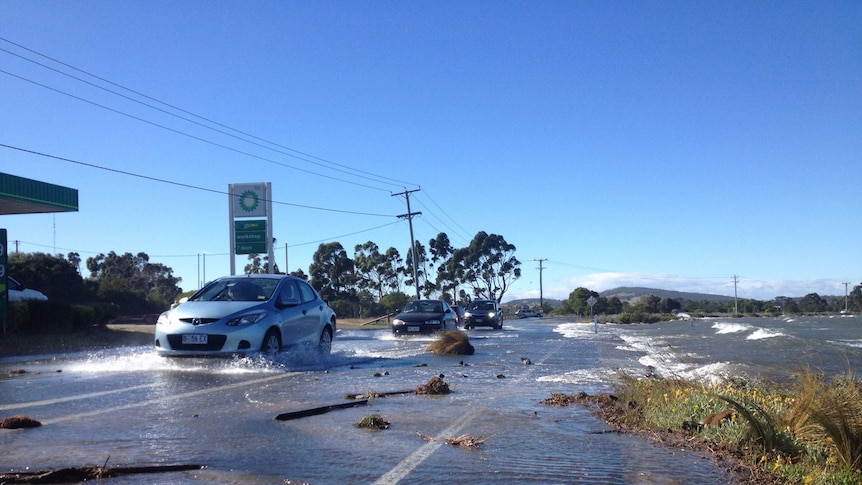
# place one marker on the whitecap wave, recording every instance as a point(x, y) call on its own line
point(761, 334)
point(722, 328)
point(582, 376)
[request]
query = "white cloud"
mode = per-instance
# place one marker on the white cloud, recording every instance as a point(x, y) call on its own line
point(745, 288)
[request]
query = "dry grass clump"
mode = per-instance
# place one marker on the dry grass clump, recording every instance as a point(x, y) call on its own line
point(19, 422)
point(373, 421)
point(436, 385)
point(452, 342)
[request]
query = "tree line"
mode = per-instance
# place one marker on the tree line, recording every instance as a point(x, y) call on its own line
point(375, 281)
point(370, 283)
point(650, 308)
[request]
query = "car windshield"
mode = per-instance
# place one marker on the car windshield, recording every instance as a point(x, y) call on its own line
point(238, 289)
point(423, 307)
point(482, 305)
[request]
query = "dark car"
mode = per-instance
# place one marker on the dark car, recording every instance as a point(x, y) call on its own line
point(483, 313)
point(459, 312)
point(424, 316)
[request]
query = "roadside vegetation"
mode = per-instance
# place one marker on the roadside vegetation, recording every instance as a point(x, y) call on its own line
point(652, 309)
point(808, 432)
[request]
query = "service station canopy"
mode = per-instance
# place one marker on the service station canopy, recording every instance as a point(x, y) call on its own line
point(19, 195)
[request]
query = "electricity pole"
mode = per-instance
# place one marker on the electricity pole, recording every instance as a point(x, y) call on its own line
point(845, 296)
point(541, 298)
point(735, 300)
point(409, 215)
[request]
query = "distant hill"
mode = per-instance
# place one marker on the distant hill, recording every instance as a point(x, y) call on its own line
point(629, 293)
point(532, 301)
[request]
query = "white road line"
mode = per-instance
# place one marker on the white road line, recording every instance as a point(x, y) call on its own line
point(407, 465)
point(6, 407)
point(417, 457)
point(169, 398)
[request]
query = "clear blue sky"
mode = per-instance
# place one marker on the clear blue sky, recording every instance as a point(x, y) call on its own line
point(663, 144)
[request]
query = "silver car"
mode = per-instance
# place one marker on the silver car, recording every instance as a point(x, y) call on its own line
point(247, 314)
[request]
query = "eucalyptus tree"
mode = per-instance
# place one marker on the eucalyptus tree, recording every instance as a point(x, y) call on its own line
point(442, 253)
point(490, 265)
point(332, 272)
point(407, 270)
point(376, 271)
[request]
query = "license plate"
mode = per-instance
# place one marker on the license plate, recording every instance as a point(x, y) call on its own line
point(480, 319)
point(195, 339)
point(413, 329)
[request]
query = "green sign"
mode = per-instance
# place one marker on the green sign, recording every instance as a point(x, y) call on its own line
point(250, 236)
point(4, 280)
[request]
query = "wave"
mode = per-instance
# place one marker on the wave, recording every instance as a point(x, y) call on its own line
point(727, 327)
point(761, 334)
point(582, 376)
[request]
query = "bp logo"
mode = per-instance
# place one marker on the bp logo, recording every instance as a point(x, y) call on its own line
point(249, 201)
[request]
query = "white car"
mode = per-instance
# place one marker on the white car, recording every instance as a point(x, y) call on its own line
point(247, 314)
point(17, 292)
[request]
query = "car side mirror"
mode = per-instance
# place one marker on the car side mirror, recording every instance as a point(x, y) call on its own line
point(285, 301)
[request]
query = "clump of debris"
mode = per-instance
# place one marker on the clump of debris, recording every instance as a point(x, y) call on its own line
point(19, 422)
point(373, 421)
point(464, 441)
point(436, 385)
point(452, 342)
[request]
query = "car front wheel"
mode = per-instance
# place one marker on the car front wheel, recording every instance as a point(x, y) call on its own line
point(271, 343)
point(325, 345)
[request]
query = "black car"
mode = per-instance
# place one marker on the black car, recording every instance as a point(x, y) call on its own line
point(424, 316)
point(483, 313)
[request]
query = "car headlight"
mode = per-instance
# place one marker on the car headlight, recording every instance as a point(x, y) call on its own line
point(247, 319)
point(164, 319)
point(397, 322)
point(467, 314)
point(490, 314)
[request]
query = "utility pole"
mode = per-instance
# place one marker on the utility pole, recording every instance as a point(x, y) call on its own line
point(846, 285)
point(541, 298)
point(409, 215)
point(735, 299)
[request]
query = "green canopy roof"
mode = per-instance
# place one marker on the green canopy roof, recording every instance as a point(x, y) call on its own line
point(19, 195)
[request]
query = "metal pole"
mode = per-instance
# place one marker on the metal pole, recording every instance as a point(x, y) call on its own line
point(409, 215)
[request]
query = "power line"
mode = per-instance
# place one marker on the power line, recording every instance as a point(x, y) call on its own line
point(180, 184)
point(296, 153)
point(189, 135)
point(218, 254)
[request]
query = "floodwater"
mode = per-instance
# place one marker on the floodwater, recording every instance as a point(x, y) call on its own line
point(130, 407)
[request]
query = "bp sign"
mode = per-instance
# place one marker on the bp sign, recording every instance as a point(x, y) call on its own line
point(250, 237)
point(251, 222)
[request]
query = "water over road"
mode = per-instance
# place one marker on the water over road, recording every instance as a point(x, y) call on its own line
point(131, 407)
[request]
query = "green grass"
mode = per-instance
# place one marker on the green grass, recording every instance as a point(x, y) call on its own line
point(809, 432)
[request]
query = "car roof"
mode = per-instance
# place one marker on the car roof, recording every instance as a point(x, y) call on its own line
point(259, 276)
